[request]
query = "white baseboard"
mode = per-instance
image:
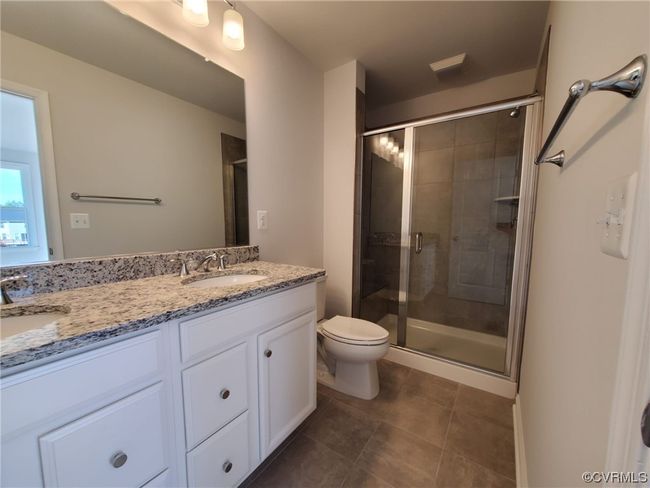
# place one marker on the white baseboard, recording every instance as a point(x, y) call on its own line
point(520, 450)
point(467, 376)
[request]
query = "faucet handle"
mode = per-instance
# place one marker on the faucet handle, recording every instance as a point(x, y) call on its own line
point(184, 271)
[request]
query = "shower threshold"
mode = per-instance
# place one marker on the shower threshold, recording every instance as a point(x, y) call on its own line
point(469, 347)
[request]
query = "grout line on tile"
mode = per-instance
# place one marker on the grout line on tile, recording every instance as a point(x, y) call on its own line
point(444, 442)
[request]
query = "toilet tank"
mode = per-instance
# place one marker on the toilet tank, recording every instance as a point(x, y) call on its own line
point(320, 298)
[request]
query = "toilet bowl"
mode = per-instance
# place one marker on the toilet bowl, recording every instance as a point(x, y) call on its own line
point(351, 348)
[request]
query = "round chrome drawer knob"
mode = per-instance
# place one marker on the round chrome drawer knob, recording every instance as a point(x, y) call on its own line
point(118, 459)
point(268, 353)
point(225, 393)
point(227, 466)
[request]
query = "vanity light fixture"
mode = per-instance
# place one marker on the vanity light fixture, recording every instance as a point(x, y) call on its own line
point(196, 12)
point(233, 28)
point(383, 140)
point(395, 149)
point(401, 155)
point(390, 144)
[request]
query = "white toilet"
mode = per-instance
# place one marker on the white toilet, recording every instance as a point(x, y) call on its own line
point(350, 348)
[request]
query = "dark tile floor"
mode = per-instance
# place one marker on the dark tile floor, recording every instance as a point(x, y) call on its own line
point(420, 431)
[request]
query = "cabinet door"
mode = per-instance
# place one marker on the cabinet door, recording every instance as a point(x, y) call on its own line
point(287, 358)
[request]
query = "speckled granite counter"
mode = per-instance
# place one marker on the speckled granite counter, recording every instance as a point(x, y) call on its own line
point(101, 312)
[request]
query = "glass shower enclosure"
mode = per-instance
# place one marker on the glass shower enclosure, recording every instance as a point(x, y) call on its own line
point(445, 231)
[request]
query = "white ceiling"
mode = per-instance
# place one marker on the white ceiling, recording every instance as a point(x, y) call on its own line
point(396, 40)
point(95, 33)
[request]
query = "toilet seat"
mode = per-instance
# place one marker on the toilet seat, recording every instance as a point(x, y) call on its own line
point(354, 331)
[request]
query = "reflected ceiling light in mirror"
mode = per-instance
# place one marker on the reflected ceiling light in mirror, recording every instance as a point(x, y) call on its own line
point(196, 12)
point(233, 28)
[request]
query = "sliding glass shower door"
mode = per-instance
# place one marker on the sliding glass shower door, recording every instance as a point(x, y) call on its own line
point(441, 241)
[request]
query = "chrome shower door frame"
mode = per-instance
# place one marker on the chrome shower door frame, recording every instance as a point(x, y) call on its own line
point(524, 233)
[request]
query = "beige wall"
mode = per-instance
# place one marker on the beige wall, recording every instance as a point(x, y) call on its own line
point(111, 135)
point(577, 293)
point(284, 125)
point(339, 176)
point(512, 85)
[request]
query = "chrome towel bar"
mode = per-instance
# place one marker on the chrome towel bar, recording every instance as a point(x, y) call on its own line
point(77, 196)
point(627, 81)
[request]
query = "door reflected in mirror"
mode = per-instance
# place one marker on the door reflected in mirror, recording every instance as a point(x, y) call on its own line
point(97, 104)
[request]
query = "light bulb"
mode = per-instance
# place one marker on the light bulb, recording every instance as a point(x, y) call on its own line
point(233, 30)
point(395, 149)
point(383, 140)
point(196, 12)
point(390, 144)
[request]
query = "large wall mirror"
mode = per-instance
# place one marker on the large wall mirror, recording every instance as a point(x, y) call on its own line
point(95, 104)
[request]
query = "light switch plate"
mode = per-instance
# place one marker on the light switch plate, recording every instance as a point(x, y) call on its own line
point(262, 220)
point(79, 221)
point(617, 222)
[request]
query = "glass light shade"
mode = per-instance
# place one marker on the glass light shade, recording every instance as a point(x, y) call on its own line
point(395, 149)
point(196, 12)
point(233, 30)
point(383, 140)
point(390, 144)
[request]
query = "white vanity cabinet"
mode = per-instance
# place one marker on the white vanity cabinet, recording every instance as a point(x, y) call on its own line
point(248, 377)
point(96, 419)
point(197, 402)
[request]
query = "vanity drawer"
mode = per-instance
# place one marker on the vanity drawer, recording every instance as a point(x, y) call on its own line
point(123, 444)
point(222, 460)
point(215, 392)
point(202, 334)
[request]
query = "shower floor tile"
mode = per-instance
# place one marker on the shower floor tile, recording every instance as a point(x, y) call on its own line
point(350, 442)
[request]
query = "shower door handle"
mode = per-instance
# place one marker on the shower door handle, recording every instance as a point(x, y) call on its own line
point(418, 242)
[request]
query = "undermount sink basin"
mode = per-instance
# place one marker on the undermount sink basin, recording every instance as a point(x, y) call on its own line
point(21, 319)
point(228, 280)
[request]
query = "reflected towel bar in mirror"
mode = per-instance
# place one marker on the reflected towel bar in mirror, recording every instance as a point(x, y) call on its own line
point(77, 196)
point(628, 81)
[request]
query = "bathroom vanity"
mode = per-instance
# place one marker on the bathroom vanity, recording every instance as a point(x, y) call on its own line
point(195, 391)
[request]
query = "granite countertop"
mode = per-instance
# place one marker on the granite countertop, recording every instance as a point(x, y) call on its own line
point(101, 312)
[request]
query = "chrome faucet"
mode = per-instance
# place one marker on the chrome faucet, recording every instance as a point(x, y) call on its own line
point(6, 299)
point(205, 262)
point(223, 261)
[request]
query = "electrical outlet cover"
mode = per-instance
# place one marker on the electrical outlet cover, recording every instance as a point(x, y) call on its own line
point(262, 220)
point(79, 221)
